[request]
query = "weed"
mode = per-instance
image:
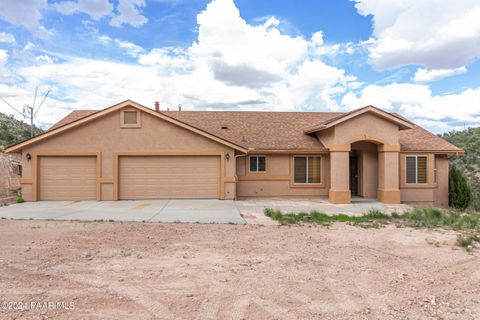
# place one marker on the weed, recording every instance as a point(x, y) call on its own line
point(466, 241)
point(325, 219)
point(418, 217)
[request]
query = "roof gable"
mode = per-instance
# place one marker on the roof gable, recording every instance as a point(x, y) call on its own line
point(259, 131)
point(402, 123)
point(59, 128)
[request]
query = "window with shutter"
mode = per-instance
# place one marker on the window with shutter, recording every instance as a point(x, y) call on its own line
point(306, 169)
point(421, 169)
point(416, 169)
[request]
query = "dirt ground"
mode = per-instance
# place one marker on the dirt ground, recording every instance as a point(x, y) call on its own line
point(108, 270)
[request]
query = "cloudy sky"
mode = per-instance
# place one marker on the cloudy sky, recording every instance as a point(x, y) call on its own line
point(417, 58)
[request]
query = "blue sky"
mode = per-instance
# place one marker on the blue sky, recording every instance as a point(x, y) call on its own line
point(419, 59)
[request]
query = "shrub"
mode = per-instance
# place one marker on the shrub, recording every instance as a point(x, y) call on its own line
point(19, 200)
point(467, 240)
point(459, 192)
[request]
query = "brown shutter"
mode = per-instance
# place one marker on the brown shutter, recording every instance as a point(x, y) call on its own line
point(421, 169)
point(313, 169)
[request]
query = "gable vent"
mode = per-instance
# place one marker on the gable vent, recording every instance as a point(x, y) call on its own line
point(130, 117)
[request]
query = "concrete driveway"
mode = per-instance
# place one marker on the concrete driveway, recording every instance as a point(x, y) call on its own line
point(203, 211)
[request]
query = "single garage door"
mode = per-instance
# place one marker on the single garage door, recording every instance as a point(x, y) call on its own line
point(67, 178)
point(154, 177)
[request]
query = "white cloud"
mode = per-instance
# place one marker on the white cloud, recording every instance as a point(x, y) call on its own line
point(130, 48)
point(416, 102)
point(232, 64)
point(25, 13)
point(96, 9)
point(248, 63)
point(7, 37)
point(438, 34)
point(44, 58)
point(129, 13)
point(3, 63)
point(423, 75)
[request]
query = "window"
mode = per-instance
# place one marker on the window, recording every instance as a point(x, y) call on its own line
point(306, 169)
point(258, 164)
point(416, 169)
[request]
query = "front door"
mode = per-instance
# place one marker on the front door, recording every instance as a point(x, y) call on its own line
point(354, 175)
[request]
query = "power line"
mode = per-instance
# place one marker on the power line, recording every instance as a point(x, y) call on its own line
point(12, 106)
point(29, 111)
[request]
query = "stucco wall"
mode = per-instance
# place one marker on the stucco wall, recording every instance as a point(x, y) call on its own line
point(106, 136)
point(278, 179)
point(441, 196)
point(434, 192)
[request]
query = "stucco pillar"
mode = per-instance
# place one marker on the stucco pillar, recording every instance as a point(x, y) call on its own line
point(339, 177)
point(441, 196)
point(388, 176)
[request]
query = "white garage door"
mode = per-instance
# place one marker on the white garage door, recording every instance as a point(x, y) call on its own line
point(67, 178)
point(155, 177)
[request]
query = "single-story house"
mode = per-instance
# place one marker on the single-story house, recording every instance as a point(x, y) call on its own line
point(129, 151)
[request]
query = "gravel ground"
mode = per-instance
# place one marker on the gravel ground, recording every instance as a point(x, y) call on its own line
point(193, 271)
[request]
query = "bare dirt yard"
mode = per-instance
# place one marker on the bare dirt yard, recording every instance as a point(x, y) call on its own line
point(105, 270)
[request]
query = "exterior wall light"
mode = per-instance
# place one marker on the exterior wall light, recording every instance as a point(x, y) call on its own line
point(29, 156)
point(227, 156)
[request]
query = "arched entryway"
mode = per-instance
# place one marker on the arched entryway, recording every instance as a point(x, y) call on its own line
point(363, 160)
point(367, 167)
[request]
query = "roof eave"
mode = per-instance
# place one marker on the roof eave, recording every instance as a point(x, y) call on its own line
point(402, 124)
point(19, 146)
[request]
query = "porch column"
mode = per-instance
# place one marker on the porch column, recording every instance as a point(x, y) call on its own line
point(388, 174)
point(339, 177)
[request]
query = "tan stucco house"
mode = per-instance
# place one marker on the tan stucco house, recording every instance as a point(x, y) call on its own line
point(129, 151)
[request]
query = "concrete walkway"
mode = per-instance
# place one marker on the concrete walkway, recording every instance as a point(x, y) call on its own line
point(203, 211)
point(252, 208)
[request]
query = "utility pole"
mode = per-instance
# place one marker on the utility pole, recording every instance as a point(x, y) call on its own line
point(29, 111)
point(29, 114)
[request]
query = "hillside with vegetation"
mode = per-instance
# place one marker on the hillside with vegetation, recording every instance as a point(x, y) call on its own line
point(468, 162)
point(13, 131)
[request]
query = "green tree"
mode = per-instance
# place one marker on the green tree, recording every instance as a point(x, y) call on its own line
point(459, 192)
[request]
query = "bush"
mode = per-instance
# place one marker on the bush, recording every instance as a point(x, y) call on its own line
point(19, 200)
point(459, 192)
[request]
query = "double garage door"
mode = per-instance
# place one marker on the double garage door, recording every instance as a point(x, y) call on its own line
point(146, 177)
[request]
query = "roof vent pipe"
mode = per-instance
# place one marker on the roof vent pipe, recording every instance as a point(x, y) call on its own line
point(157, 106)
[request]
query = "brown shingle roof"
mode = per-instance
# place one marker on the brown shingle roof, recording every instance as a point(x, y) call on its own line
point(277, 130)
point(419, 139)
point(258, 130)
point(72, 116)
